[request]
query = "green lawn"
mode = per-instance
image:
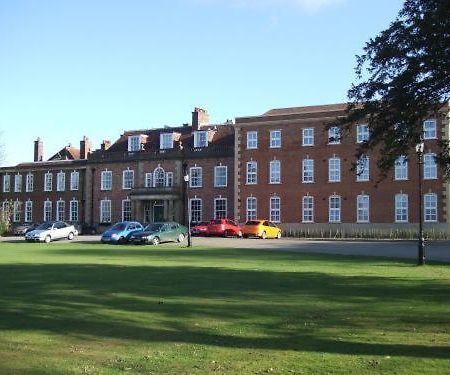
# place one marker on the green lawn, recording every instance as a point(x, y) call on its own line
point(72, 308)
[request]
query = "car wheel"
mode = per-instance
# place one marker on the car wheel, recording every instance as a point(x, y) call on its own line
point(155, 241)
point(121, 240)
point(228, 233)
point(70, 236)
point(279, 235)
point(263, 235)
point(245, 236)
point(47, 239)
point(180, 237)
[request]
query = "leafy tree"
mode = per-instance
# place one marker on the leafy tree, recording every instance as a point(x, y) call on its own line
point(403, 77)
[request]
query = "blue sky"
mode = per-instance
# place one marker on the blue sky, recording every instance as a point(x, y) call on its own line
point(99, 67)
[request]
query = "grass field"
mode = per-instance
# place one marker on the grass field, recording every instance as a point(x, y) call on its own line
point(73, 308)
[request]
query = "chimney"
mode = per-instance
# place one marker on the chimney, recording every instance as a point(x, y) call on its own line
point(200, 117)
point(38, 150)
point(105, 145)
point(85, 147)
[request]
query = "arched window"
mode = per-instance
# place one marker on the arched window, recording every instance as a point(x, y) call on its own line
point(159, 177)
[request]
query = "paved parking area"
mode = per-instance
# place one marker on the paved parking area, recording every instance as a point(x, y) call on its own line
point(435, 250)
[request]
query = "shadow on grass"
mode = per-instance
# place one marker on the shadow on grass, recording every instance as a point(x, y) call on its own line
point(279, 310)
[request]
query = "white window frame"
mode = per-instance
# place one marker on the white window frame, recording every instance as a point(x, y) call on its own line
point(430, 205)
point(61, 181)
point(126, 210)
point(275, 172)
point(159, 177)
point(220, 208)
point(275, 209)
point(74, 180)
point(362, 133)
point(74, 211)
point(149, 180)
point(29, 183)
point(251, 208)
point(334, 169)
point(429, 166)
point(401, 208)
point(308, 209)
point(48, 214)
point(28, 211)
point(169, 179)
point(134, 143)
point(308, 171)
point(334, 208)
point(18, 183)
point(275, 138)
point(60, 210)
point(308, 137)
point(401, 169)
point(48, 181)
point(251, 173)
point(363, 169)
point(16, 211)
point(252, 140)
point(105, 211)
point(334, 135)
point(200, 138)
point(165, 141)
point(430, 129)
point(127, 179)
point(6, 183)
point(196, 210)
point(220, 176)
point(195, 177)
point(363, 208)
point(106, 180)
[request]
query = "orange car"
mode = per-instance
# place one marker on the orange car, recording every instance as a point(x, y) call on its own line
point(261, 228)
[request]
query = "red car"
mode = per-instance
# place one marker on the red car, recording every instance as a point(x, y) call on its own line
point(224, 227)
point(200, 229)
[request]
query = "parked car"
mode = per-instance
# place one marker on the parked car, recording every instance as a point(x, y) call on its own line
point(21, 229)
point(200, 229)
point(88, 229)
point(51, 230)
point(262, 229)
point(224, 227)
point(121, 231)
point(160, 232)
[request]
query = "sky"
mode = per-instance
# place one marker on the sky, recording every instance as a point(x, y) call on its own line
point(96, 68)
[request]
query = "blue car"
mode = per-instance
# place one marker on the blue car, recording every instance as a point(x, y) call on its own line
point(120, 232)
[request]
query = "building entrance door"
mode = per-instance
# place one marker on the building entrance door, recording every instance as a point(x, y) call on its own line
point(147, 212)
point(158, 211)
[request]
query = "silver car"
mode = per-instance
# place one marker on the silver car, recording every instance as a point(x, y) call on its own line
point(51, 230)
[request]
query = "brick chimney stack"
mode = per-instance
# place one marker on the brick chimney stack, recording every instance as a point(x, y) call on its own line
point(38, 150)
point(200, 117)
point(85, 147)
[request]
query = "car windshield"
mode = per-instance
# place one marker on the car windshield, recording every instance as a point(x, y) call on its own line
point(252, 223)
point(118, 226)
point(44, 226)
point(216, 222)
point(153, 227)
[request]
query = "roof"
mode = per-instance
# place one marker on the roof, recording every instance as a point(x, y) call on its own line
point(306, 109)
point(67, 153)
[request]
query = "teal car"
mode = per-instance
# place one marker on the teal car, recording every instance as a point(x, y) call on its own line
point(160, 232)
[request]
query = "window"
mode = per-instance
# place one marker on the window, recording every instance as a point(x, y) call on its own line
point(47, 210)
point(60, 210)
point(429, 129)
point(165, 141)
point(149, 180)
point(105, 211)
point(28, 211)
point(18, 183)
point(48, 181)
point(334, 170)
point(275, 138)
point(159, 177)
point(16, 211)
point(73, 211)
point(106, 180)
point(126, 210)
point(169, 179)
point(275, 209)
point(134, 143)
point(252, 173)
point(201, 139)
point(308, 171)
point(128, 179)
point(74, 181)
point(308, 137)
point(220, 208)
point(252, 140)
point(275, 172)
point(6, 183)
point(401, 168)
point(401, 208)
point(429, 167)
point(430, 207)
point(29, 182)
point(362, 133)
point(220, 176)
point(195, 178)
point(308, 209)
point(362, 208)
point(61, 181)
point(196, 210)
point(251, 208)
point(334, 212)
point(334, 135)
point(362, 169)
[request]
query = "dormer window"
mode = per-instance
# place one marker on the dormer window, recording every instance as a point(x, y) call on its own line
point(165, 141)
point(134, 143)
point(201, 139)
